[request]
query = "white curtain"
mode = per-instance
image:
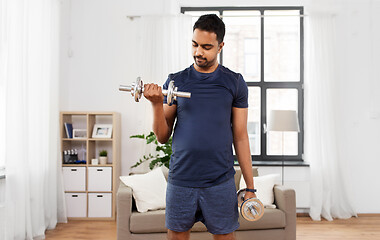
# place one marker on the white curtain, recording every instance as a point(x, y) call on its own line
point(29, 70)
point(164, 48)
point(330, 195)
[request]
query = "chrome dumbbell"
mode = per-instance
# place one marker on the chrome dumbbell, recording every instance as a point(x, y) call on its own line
point(137, 89)
point(251, 209)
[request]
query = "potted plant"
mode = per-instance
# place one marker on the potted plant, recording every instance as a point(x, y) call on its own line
point(103, 157)
point(164, 151)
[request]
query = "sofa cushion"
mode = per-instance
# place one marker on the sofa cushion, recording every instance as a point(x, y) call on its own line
point(272, 218)
point(149, 189)
point(148, 222)
point(264, 185)
point(154, 222)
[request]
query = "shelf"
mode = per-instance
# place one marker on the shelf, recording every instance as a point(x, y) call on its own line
point(99, 191)
point(100, 139)
point(89, 148)
point(86, 113)
point(74, 139)
point(88, 191)
point(100, 165)
point(74, 165)
point(90, 139)
point(92, 219)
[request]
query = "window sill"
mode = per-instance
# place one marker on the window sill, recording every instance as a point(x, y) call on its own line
point(279, 164)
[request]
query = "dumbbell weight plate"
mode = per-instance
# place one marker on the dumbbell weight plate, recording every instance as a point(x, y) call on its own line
point(137, 89)
point(170, 93)
point(252, 209)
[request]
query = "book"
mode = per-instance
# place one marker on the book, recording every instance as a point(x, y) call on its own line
point(69, 130)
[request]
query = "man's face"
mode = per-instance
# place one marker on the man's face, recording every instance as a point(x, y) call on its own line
point(205, 48)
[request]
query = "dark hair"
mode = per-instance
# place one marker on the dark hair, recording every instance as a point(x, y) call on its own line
point(211, 23)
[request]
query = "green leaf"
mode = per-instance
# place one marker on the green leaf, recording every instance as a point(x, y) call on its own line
point(150, 139)
point(138, 136)
point(154, 163)
point(160, 148)
point(137, 163)
point(150, 134)
point(156, 160)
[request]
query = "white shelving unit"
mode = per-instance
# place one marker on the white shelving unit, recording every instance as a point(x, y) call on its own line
point(90, 190)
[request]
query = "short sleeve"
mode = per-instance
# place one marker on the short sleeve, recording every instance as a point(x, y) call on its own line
point(165, 87)
point(241, 96)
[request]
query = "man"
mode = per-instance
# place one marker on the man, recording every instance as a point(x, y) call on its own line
point(201, 179)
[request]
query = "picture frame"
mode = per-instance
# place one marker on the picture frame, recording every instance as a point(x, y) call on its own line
point(79, 133)
point(102, 131)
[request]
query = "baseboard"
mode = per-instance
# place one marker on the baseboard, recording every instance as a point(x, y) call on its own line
point(368, 214)
point(359, 215)
point(303, 210)
point(303, 215)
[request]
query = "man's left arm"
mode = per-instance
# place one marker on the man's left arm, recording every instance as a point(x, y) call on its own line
point(241, 144)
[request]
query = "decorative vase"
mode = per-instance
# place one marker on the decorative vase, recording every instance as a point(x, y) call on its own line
point(103, 160)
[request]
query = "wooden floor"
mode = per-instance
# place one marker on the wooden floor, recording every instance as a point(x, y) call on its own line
point(83, 230)
point(361, 228)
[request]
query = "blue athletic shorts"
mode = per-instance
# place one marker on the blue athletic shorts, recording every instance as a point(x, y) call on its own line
point(215, 206)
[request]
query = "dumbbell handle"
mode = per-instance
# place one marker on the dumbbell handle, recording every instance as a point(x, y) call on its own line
point(164, 92)
point(125, 88)
point(253, 210)
point(250, 207)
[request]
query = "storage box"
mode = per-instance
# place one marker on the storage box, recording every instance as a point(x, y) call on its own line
point(100, 205)
point(74, 178)
point(99, 179)
point(76, 204)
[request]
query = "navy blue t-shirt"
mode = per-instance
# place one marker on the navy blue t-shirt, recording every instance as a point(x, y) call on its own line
point(202, 140)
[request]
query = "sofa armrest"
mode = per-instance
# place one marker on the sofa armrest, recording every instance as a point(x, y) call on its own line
point(124, 211)
point(285, 200)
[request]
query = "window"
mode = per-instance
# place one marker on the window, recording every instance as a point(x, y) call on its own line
point(265, 45)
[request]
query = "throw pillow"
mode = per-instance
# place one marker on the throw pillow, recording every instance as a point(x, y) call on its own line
point(149, 189)
point(264, 185)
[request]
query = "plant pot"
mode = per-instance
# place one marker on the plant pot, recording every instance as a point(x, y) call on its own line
point(102, 160)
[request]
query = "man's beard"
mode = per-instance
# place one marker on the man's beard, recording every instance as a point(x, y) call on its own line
point(203, 63)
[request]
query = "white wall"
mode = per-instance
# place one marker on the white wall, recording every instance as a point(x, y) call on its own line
point(359, 100)
point(98, 52)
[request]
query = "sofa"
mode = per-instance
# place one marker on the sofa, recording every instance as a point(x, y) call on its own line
point(276, 224)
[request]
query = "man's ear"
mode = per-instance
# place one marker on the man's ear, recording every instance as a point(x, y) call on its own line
point(220, 47)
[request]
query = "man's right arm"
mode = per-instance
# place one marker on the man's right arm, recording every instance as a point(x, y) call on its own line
point(163, 121)
point(163, 114)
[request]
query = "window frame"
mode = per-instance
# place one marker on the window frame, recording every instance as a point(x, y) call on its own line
point(263, 157)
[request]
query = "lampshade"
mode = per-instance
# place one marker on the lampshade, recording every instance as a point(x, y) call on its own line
point(283, 121)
